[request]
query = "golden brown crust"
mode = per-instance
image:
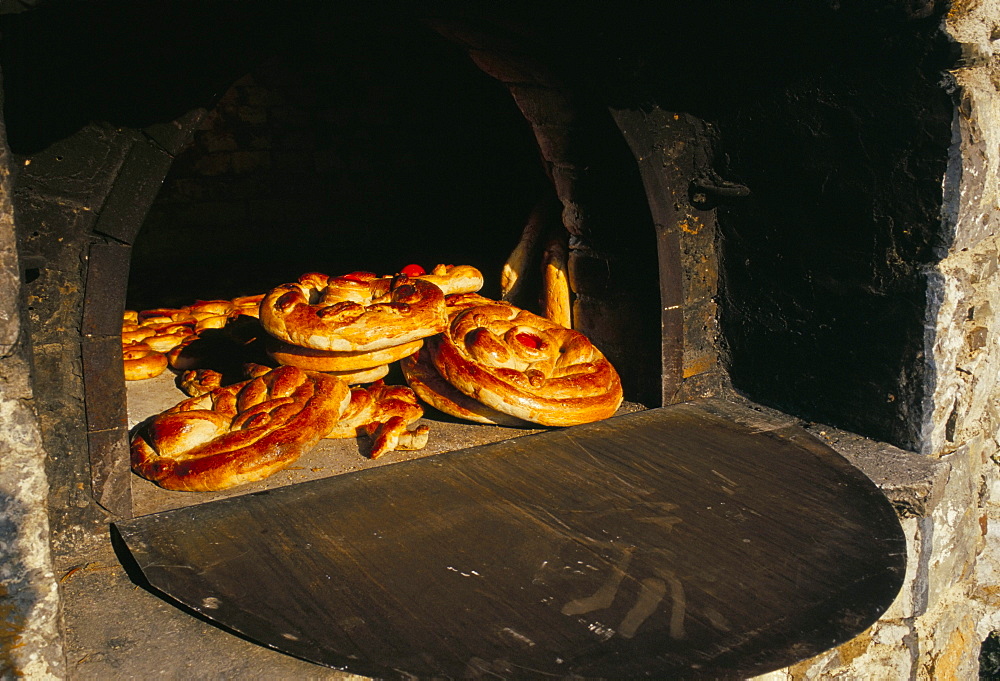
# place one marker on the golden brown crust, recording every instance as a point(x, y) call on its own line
point(454, 278)
point(425, 380)
point(133, 333)
point(238, 433)
point(458, 302)
point(513, 273)
point(385, 413)
point(159, 331)
point(168, 338)
point(556, 303)
point(198, 382)
point(203, 309)
point(527, 366)
point(248, 305)
point(356, 312)
point(323, 360)
point(361, 375)
point(142, 362)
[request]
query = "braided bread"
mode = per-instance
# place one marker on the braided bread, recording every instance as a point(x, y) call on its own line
point(527, 366)
point(425, 380)
point(358, 312)
point(384, 413)
point(238, 433)
point(322, 360)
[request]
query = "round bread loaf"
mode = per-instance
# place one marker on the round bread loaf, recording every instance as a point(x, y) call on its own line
point(323, 360)
point(359, 376)
point(425, 380)
point(358, 312)
point(142, 362)
point(527, 366)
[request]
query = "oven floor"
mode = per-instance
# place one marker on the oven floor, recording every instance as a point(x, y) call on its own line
point(115, 630)
point(330, 457)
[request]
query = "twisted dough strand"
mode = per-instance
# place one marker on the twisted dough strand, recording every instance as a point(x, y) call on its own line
point(356, 312)
point(238, 433)
point(527, 366)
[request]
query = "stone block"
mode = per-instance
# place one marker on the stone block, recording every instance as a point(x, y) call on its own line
point(80, 168)
point(545, 106)
point(699, 263)
point(700, 329)
point(53, 236)
point(111, 474)
point(246, 162)
point(216, 140)
point(914, 483)
point(590, 273)
point(956, 531)
point(135, 188)
point(950, 647)
point(104, 383)
point(561, 144)
point(910, 601)
point(514, 67)
point(251, 115)
point(211, 165)
point(710, 383)
point(172, 137)
point(107, 280)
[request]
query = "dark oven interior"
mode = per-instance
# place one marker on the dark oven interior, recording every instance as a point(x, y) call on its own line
point(744, 197)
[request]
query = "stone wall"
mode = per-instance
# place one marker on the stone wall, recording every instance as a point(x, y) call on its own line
point(951, 599)
point(30, 645)
point(947, 493)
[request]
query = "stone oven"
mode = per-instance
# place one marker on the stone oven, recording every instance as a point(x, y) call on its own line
point(788, 206)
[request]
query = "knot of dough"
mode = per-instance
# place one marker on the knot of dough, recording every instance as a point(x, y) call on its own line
point(238, 433)
point(357, 312)
point(527, 366)
point(384, 413)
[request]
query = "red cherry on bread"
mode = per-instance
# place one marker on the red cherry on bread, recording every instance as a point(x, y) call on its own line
point(413, 270)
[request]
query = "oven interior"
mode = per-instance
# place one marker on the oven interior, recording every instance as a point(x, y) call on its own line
point(748, 202)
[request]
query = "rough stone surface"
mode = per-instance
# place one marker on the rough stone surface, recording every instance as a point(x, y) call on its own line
point(951, 598)
point(948, 492)
point(30, 644)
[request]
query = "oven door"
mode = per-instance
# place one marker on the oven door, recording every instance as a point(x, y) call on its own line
point(700, 539)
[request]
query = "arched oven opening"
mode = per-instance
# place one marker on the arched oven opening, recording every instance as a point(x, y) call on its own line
point(746, 200)
point(262, 146)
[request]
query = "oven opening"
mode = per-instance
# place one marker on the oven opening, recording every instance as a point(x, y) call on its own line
point(749, 208)
point(373, 144)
